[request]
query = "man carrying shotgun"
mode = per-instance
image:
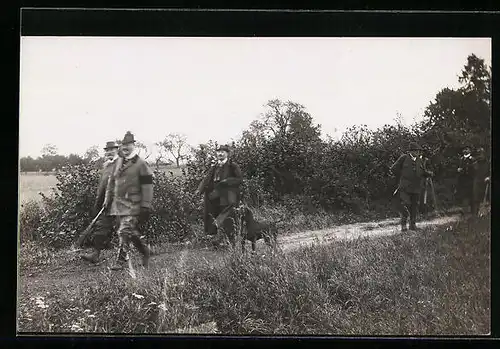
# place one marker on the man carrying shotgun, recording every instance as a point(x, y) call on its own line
point(104, 225)
point(410, 171)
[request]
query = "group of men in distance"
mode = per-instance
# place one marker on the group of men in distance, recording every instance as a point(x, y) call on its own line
point(410, 170)
point(125, 193)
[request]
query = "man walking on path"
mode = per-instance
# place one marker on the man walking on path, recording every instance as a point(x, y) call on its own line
point(221, 189)
point(410, 171)
point(130, 191)
point(104, 225)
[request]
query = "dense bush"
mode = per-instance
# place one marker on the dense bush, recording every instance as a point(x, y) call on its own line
point(30, 217)
point(175, 209)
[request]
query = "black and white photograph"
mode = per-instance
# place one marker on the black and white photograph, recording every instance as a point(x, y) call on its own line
point(333, 186)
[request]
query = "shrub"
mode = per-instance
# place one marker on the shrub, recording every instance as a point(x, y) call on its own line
point(175, 209)
point(30, 217)
point(67, 211)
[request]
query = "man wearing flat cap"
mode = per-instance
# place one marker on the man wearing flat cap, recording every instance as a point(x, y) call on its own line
point(130, 193)
point(221, 190)
point(410, 172)
point(104, 225)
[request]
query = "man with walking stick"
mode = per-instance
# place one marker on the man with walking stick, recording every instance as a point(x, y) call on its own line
point(104, 224)
point(410, 171)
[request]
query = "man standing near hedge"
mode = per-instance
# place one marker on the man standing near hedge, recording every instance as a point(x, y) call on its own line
point(104, 225)
point(472, 178)
point(221, 189)
point(130, 193)
point(410, 171)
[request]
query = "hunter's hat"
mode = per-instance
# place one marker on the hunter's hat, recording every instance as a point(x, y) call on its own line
point(223, 147)
point(128, 138)
point(415, 146)
point(111, 145)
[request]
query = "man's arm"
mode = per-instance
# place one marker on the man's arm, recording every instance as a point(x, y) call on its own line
point(146, 182)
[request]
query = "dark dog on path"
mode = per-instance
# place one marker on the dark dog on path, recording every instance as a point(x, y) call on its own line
point(255, 230)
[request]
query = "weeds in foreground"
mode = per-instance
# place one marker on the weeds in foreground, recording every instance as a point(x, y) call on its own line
point(431, 282)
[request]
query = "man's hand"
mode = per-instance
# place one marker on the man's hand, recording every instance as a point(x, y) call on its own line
point(459, 169)
point(144, 215)
point(487, 179)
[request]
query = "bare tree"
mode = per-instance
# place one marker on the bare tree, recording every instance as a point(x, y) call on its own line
point(176, 145)
point(92, 154)
point(143, 149)
point(49, 150)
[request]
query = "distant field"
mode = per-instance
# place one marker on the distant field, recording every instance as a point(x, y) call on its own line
point(32, 183)
point(176, 171)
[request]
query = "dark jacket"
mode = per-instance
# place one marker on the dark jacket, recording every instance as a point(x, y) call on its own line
point(409, 173)
point(222, 183)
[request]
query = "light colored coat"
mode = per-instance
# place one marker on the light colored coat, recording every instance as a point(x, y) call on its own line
point(130, 187)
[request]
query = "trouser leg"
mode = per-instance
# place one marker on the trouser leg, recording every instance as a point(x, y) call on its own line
point(404, 200)
point(103, 232)
point(413, 210)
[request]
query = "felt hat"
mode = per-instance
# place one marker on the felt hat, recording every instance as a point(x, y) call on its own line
point(223, 147)
point(110, 145)
point(128, 138)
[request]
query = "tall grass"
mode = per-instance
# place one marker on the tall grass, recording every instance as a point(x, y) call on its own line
point(431, 282)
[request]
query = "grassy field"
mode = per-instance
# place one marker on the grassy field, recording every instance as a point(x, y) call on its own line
point(31, 184)
point(430, 282)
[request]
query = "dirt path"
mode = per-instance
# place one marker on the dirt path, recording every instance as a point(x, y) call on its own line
point(75, 272)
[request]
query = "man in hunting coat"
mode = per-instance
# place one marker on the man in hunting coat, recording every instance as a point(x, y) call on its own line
point(410, 171)
point(221, 189)
point(104, 225)
point(130, 193)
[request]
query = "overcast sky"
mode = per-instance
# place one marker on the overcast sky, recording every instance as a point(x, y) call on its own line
point(82, 91)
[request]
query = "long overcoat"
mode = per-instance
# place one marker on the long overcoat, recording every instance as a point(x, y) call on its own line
point(130, 187)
